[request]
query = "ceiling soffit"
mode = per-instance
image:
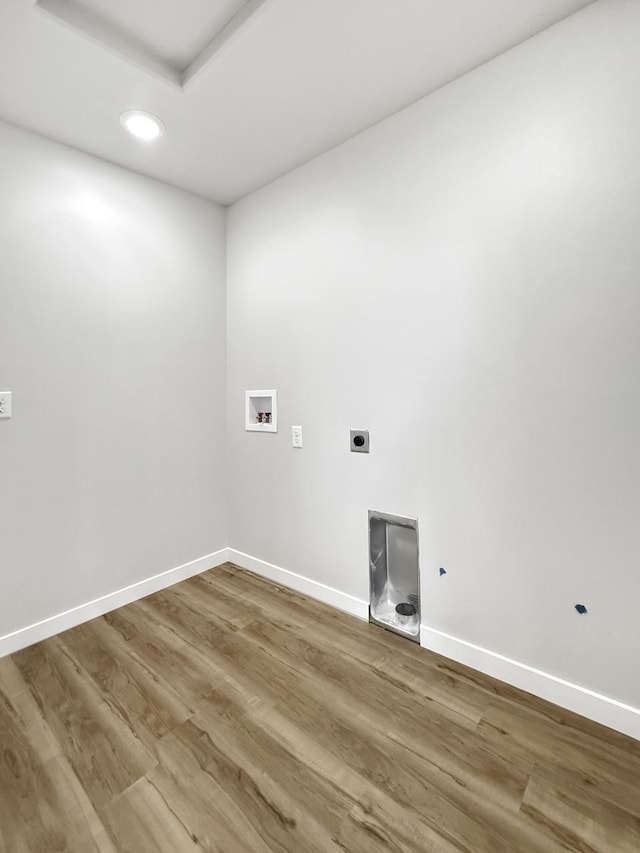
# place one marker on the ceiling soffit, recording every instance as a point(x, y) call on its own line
point(172, 66)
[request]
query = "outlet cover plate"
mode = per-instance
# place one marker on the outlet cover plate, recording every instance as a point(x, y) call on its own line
point(359, 442)
point(5, 404)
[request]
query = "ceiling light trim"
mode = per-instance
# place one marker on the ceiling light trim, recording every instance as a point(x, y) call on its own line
point(150, 131)
point(103, 32)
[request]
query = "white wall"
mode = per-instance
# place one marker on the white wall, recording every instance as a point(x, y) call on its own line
point(463, 280)
point(112, 340)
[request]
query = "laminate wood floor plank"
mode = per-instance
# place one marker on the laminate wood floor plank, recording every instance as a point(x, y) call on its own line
point(459, 687)
point(181, 664)
point(390, 646)
point(289, 807)
point(338, 725)
point(433, 732)
point(142, 821)
point(230, 608)
point(11, 680)
point(124, 621)
point(254, 670)
point(314, 655)
point(105, 753)
point(77, 816)
point(231, 715)
point(410, 832)
point(374, 827)
point(441, 785)
point(598, 786)
point(134, 690)
point(189, 660)
point(527, 732)
point(22, 710)
point(358, 640)
point(584, 733)
point(574, 817)
point(197, 798)
point(43, 806)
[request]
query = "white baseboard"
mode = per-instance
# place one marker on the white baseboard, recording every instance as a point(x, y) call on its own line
point(580, 700)
point(319, 591)
point(24, 637)
point(587, 703)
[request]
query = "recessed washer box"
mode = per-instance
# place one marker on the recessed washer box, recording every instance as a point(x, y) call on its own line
point(261, 411)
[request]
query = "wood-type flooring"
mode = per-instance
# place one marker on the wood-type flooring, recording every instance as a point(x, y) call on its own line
point(230, 715)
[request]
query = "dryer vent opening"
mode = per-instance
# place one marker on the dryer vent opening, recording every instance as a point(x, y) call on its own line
point(394, 600)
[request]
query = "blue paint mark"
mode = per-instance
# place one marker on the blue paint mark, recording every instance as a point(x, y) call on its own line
point(443, 572)
point(581, 609)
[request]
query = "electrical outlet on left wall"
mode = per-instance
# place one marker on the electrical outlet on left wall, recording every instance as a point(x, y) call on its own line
point(5, 404)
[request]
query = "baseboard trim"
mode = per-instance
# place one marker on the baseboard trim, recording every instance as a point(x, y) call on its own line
point(595, 706)
point(46, 628)
point(321, 592)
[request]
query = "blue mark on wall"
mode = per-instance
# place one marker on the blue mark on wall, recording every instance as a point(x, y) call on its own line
point(442, 571)
point(581, 609)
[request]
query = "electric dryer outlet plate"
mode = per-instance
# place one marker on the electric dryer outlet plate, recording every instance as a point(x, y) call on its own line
point(359, 441)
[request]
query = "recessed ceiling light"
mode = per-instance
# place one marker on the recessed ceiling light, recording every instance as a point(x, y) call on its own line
point(142, 125)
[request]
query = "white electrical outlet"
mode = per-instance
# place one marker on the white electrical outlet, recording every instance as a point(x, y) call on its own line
point(5, 404)
point(296, 436)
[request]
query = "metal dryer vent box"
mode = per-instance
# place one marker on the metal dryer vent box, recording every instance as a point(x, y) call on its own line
point(394, 601)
